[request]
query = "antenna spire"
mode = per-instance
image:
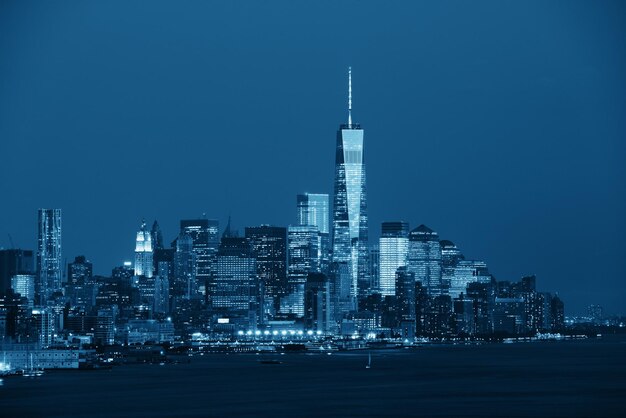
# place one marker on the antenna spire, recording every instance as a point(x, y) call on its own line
point(350, 97)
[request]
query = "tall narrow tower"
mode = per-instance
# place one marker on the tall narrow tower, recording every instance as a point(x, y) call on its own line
point(350, 231)
point(143, 252)
point(49, 265)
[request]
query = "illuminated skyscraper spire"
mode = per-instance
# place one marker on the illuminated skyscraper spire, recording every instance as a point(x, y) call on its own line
point(143, 252)
point(349, 97)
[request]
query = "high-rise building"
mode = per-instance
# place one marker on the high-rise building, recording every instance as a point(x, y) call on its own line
point(49, 255)
point(466, 272)
point(463, 310)
point(80, 271)
point(405, 294)
point(161, 294)
point(185, 283)
point(424, 259)
point(313, 209)
point(14, 262)
point(237, 286)
point(557, 313)
point(304, 257)
point(450, 256)
point(164, 262)
point(157, 236)
point(374, 267)
point(317, 306)
point(143, 252)
point(24, 284)
point(269, 246)
point(483, 298)
point(350, 228)
point(393, 247)
point(204, 235)
point(343, 302)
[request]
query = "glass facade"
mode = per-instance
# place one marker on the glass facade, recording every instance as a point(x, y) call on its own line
point(236, 284)
point(49, 256)
point(14, 262)
point(313, 209)
point(185, 283)
point(24, 284)
point(304, 257)
point(269, 246)
point(424, 259)
point(466, 272)
point(450, 257)
point(204, 233)
point(350, 228)
point(393, 247)
point(80, 271)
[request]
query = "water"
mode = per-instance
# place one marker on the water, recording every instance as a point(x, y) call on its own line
point(550, 379)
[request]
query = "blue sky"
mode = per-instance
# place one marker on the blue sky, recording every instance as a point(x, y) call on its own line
point(501, 125)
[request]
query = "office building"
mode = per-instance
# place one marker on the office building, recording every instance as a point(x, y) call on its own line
point(304, 257)
point(466, 272)
point(450, 256)
point(393, 247)
point(236, 283)
point(269, 246)
point(405, 294)
point(185, 283)
point(13, 262)
point(80, 271)
point(314, 209)
point(317, 305)
point(424, 259)
point(203, 232)
point(24, 285)
point(350, 226)
point(49, 254)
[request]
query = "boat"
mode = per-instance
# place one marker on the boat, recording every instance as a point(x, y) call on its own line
point(369, 361)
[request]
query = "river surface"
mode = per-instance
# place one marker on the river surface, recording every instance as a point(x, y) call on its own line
point(549, 379)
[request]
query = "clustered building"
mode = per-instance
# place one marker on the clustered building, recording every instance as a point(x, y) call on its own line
point(320, 275)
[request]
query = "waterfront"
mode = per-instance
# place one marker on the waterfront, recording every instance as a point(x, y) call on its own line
point(555, 379)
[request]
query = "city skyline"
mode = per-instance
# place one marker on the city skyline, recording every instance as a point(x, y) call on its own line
point(518, 186)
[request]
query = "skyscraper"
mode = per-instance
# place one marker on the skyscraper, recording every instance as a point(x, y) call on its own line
point(317, 306)
point(314, 209)
point(393, 245)
point(465, 272)
point(236, 283)
point(205, 242)
point(405, 294)
point(79, 271)
point(24, 284)
point(269, 247)
point(14, 262)
point(185, 283)
point(350, 231)
point(49, 255)
point(424, 259)
point(157, 236)
point(450, 257)
point(143, 252)
point(304, 257)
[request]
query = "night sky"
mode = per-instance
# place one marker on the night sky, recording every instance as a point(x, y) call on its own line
point(500, 125)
